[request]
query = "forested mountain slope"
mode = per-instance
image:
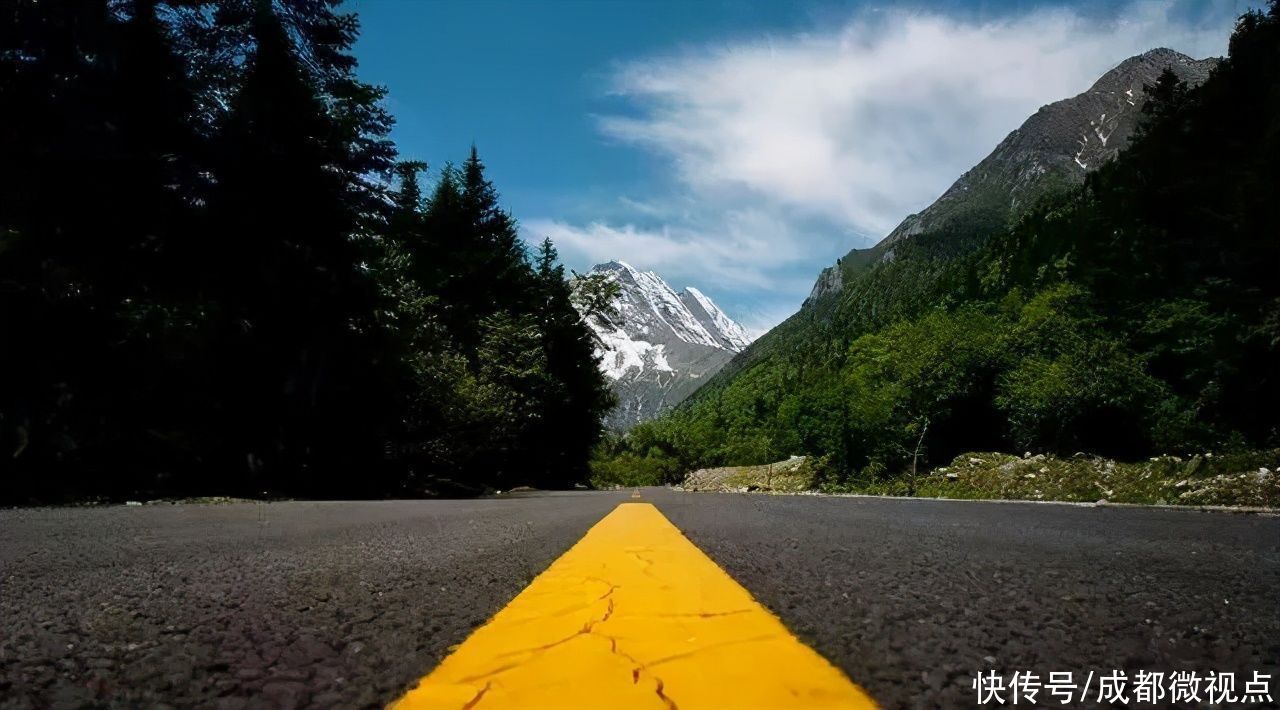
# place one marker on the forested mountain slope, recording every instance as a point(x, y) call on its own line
point(1052, 151)
point(1133, 313)
point(1055, 148)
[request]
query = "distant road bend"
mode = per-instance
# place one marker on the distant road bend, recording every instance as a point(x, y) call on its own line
point(352, 604)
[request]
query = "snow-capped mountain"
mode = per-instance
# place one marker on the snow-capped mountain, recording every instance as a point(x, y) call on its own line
point(729, 334)
point(660, 345)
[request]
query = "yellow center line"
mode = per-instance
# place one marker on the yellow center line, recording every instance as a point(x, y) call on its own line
point(634, 615)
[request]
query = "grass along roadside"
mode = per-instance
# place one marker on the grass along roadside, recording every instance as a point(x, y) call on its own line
point(1237, 479)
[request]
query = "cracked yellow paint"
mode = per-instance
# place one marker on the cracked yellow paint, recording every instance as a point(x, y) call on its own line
point(634, 615)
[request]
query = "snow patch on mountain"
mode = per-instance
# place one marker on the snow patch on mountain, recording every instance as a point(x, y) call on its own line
point(653, 296)
point(731, 335)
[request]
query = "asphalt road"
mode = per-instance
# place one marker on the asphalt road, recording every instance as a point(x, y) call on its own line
point(348, 604)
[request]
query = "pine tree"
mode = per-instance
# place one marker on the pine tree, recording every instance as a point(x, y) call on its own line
point(104, 125)
point(408, 199)
point(212, 292)
point(577, 397)
point(430, 441)
point(485, 270)
point(300, 365)
point(500, 267)
point(1163, 98)
point(44, 69)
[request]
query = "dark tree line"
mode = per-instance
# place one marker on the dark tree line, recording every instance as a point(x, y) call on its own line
point(216, 278)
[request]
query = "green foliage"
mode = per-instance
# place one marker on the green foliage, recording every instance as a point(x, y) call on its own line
point(1133, 315)
point(628, 470)
point(1198, 479)
point(595, 295)
point(504, 388)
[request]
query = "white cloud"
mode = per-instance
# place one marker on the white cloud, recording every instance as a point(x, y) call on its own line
point(745, 251)
point(869, 123)
point(793, 150)
point(758, 318)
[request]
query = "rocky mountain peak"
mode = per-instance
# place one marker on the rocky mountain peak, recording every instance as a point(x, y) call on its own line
point(659, 345)
point(1056, 146)
point(727, 333)
point(1053, 149)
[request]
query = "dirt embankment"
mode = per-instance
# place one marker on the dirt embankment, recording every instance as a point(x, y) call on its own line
point(789, 476)
point(1247, 479)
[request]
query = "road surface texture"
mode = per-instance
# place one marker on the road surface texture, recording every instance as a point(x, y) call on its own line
point(348, 604)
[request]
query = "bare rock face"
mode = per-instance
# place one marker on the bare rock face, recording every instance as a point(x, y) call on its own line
point(660, 345)
point(1054, 148)
point(829, 281)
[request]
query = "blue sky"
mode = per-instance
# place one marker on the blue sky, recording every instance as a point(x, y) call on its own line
point(740, 147)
